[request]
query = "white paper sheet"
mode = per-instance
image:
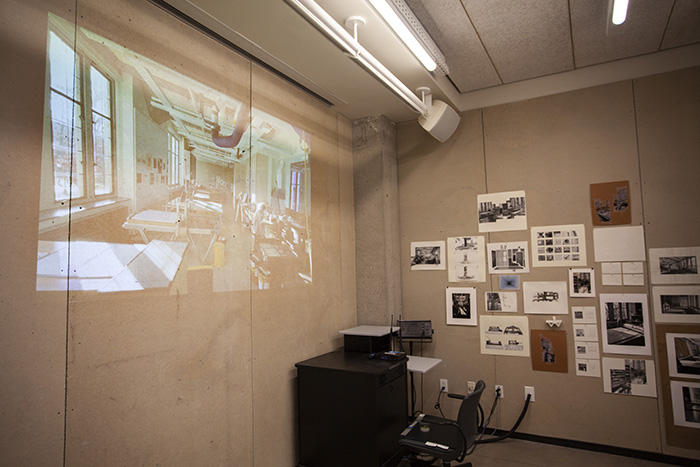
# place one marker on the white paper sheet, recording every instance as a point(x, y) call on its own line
point(619, 243)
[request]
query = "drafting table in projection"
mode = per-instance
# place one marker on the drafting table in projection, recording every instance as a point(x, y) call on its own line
point(156, 221)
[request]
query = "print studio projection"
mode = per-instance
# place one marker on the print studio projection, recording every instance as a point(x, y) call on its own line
point(154, 181)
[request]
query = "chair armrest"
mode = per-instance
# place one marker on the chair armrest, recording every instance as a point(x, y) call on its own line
point(455, 396)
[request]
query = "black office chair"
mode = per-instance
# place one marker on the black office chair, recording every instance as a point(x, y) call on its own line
point(446, 440)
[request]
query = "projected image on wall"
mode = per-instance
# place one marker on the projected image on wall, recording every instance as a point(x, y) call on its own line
point(161, 182)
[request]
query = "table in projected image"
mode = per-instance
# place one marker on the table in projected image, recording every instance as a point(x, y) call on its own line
point(155, 221)
point(107, 267)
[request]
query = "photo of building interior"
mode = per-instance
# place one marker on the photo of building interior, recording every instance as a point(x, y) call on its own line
point(207, 203)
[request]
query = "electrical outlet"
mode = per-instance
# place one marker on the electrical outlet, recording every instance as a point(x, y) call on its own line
point(470, 386)
point(531, 391)
point(499, 387)
point(443, 385)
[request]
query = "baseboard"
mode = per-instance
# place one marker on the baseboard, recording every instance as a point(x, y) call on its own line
point(627, 452)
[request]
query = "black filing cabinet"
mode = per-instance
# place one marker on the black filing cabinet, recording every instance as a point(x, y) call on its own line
point(351, 410)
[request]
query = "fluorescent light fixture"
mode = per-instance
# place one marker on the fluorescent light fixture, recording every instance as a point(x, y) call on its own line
point(619, 13)
point(404, 33)
point(347, 43)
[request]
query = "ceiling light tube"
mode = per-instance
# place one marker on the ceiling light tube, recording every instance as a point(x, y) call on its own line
point(619, 13)
point(404, 33)
point(337, 33)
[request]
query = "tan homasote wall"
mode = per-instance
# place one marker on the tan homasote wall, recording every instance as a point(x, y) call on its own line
point(644, 131)
point(177, 373)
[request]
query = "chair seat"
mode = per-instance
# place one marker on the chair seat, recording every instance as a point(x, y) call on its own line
point(442, 441)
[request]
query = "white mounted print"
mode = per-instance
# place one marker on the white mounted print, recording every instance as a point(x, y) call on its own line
point(460, 306)
point(685, 397)
point(677, 304)
point(625, 324)
point(674, 265)
point(506, 302)
point(466, 259)
point(683, 355)
point(504, 335)
point(582, 282)
point(502, 211)
point(427, 256)
point(635, 377)
point(545, 298)
point(508, 258)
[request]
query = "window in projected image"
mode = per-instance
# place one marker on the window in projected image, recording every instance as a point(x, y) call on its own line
point(168, 183)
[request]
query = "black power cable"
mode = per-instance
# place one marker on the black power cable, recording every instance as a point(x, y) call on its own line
point(512, 430)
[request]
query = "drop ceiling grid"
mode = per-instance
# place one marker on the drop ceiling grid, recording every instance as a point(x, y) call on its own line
point(684, 24)
point(451, 29)
point(524, 39)
point(641, 33)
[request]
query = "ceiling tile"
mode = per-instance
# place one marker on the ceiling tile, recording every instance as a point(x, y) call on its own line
point(640, 34)
point(684, 25)
point(524, 39)
point(450, 28)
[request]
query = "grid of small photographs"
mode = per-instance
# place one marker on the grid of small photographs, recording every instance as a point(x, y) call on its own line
point(558, 245)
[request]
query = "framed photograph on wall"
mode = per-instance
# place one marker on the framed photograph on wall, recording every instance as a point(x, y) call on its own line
point(625, 324)
point(582, 282)
point(677, 304)
point(683, 355)
point(426, 256)
point(460, 306)
point(504, 335)
point(634, 377)
point(558, 245)
point(502, 211)
point(545, 298)
point(508, 258)
point(674, 265)
point(685, 397)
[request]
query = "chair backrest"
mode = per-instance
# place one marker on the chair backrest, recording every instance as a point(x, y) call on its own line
point(467, 416)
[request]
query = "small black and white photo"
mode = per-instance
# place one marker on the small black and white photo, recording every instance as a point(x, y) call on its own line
point(677, 304)
point(626, 324)
point(502, 211)
point(508, 258)
point(427, 255)
point(683, 352)
point(582, 282)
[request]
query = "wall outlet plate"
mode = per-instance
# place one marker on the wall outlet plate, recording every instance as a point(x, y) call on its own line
point(498, 386)
point(443, 385)
point(530, 390)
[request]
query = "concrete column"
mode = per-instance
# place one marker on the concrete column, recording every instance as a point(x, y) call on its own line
point(377, 239)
